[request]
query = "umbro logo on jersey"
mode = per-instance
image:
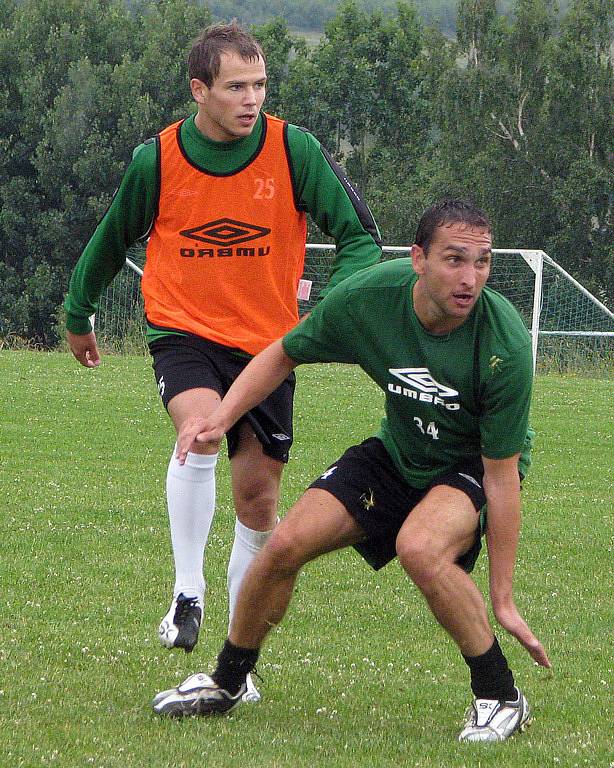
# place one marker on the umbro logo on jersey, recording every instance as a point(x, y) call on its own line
point(420, 385)
point(421, 379)
point(225, 232)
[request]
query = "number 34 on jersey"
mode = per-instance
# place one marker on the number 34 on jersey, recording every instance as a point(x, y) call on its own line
point(430, 429)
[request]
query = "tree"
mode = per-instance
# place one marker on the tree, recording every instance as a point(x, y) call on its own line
point(44, 38)
point(579, 110)
point(525, 128)
point(476, 31)
point(515, 113)
point(166, 30)
point(90, 81)
point(359, 90)
point(277, 43)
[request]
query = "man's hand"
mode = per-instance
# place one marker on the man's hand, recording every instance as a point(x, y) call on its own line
point(200, 430)
point(510, 619)
point(84, 348)
point(259, 378)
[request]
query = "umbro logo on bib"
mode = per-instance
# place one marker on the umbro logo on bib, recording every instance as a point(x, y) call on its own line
point(225, 232)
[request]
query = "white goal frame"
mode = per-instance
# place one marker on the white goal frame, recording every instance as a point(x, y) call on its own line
point(535, 259)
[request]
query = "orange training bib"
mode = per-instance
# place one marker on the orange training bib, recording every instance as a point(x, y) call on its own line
point(226, 252)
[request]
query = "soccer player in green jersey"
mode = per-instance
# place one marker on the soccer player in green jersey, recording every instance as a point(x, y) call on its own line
point(221, 199)
point(454, 360)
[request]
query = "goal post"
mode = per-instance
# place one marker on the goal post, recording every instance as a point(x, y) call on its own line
point(570, 328)
point(535, 260)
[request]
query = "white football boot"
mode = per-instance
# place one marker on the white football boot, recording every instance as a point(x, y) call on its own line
point(197, 695)
point(493, 720)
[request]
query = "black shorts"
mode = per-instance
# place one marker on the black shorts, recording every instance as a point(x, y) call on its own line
point(189, 362)
point(370, 487)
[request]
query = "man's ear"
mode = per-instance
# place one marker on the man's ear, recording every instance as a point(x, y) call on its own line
point(417, 259)
point(199, 90)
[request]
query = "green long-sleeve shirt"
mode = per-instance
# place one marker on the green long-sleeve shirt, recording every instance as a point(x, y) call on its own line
point(320, 188)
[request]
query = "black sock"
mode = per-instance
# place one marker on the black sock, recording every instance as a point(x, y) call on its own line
point(233, 666)
point(491, 678)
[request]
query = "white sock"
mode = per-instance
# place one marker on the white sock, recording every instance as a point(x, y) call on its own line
point(190, 494)
point(246, 546)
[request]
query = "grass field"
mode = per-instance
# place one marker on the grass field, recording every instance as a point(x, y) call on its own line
point(359, 674)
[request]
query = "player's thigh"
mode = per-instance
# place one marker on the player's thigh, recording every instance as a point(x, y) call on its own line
point(316, 524)
point(441, 527)
point(198, 402)
point(190, 384)
point(256, 478)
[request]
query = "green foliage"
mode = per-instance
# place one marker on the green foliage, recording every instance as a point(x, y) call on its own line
point(478, 31)
point(13, 307)
point(524, 129)
point(277, 43)
point(312, 16)
point(360, 90)
point(89, 82)
point(515, 113)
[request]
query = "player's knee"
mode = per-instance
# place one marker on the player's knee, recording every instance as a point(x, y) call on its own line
point(257, 506)
point(283, 553)
point(419, 560)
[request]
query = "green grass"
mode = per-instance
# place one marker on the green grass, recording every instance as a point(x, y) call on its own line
point(358, 674)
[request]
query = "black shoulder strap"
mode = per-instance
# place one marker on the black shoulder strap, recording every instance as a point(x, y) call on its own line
point(477, 384)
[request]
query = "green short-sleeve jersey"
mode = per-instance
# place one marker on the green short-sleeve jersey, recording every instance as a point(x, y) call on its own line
point(463, 394)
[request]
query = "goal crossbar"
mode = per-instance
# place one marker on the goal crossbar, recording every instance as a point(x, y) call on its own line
point(552, 303)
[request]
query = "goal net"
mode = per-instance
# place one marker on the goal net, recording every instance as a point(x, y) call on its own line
point(570, 328)
point(120, 320)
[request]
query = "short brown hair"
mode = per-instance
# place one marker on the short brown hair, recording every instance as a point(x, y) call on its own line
point(449, 211)
point(207, 49)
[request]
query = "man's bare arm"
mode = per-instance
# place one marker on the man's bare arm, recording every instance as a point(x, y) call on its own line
point(502, 487)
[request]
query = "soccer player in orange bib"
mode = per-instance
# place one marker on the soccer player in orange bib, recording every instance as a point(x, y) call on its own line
point(221, 198)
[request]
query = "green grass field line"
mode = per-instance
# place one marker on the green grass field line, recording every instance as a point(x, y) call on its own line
point(359, 674)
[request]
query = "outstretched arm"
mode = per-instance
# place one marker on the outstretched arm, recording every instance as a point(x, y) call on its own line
point(259, 378)
point(502, 487)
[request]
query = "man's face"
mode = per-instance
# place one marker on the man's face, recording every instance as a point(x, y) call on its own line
point(229, 109)
point(451, 276)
